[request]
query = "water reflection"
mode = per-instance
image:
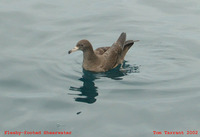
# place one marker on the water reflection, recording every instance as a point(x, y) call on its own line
point(88, 91)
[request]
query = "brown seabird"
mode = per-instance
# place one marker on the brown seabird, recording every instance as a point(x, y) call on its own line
point(104, 58)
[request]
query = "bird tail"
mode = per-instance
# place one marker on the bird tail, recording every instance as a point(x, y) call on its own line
point(127, 46)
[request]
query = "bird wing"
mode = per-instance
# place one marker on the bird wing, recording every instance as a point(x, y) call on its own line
point(113, 54)
point(101, 50)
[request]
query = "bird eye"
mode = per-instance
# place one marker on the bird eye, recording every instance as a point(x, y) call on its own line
point(81, 45)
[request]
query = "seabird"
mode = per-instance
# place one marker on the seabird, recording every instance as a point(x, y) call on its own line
point(104, 58)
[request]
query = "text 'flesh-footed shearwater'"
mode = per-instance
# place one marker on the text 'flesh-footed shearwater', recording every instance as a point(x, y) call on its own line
point(104, 58)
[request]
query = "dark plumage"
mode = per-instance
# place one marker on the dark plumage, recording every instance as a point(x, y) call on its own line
point(104, 58)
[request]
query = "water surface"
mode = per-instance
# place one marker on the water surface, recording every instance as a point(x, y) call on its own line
point(42, 88)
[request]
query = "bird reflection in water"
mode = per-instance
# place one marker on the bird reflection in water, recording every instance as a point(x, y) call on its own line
point(89, 92)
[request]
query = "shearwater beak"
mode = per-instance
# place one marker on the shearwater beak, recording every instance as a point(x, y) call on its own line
point(73, 50)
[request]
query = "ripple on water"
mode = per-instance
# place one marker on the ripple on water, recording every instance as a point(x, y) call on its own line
point(88, 92)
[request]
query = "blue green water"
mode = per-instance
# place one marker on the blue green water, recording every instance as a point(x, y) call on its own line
point(42, 88)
